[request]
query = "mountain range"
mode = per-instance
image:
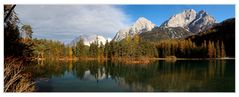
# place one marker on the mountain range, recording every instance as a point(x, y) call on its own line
point(181, 25)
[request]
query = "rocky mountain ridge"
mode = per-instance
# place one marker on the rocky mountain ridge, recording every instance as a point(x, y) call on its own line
point(191, 21)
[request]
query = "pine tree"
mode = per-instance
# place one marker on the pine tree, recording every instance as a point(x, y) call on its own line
point(218, 51)
point(182, 47)
point(223, 52)
point(93, 50)
point(101, 51)
point(26, 32)
point(70, 52)
point(210, 49)
point(106, 49)
point(80, 48)
point(136, 39)
point(214, 50)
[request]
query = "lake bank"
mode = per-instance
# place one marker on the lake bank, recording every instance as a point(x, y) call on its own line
point(142, 60)
point(133, 59)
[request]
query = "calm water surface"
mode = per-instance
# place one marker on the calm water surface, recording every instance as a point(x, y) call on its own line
point(162, 76)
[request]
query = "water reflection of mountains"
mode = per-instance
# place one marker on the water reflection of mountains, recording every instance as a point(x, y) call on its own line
point(197, 75)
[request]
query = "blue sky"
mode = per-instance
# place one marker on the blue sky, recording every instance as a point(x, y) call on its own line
point(67, 22)
point(159, 13)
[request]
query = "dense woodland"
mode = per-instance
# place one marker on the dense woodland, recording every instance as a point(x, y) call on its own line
point(224, 31)
point(134, 47)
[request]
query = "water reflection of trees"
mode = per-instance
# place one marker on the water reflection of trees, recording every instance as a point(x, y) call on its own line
point(48, 69)
point(201, 75)
point(198, 75)
point(187, 76)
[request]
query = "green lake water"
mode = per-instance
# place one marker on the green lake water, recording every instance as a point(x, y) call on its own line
point(158, 76)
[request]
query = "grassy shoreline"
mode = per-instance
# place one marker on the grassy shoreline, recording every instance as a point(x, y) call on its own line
point(226, 58)
point(142, 60)
point(196, 58)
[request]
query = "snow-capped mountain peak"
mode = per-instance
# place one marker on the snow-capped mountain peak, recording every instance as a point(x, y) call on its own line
point(190, 20)
point(181, 19)
point(141, 25)
point(88, 39)
point(202, 22)
point(141, 21)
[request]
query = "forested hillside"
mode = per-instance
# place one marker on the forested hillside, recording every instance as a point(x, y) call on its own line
point(224, 31)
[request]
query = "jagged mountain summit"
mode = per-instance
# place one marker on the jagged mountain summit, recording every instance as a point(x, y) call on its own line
point(190, 20)
point(141, 25)
point(88, 39)
point(183, 25)
point(202, 22)
point(181, 19)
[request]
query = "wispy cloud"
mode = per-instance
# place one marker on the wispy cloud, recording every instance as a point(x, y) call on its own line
point(66, 22)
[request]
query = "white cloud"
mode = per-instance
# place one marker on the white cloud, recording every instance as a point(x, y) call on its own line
point(66, 22)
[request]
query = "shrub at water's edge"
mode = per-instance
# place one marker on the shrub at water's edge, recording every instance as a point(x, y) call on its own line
point(17, 53)
point(16, 79)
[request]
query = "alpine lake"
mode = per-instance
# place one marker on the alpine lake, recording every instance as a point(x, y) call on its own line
point(157, 76)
